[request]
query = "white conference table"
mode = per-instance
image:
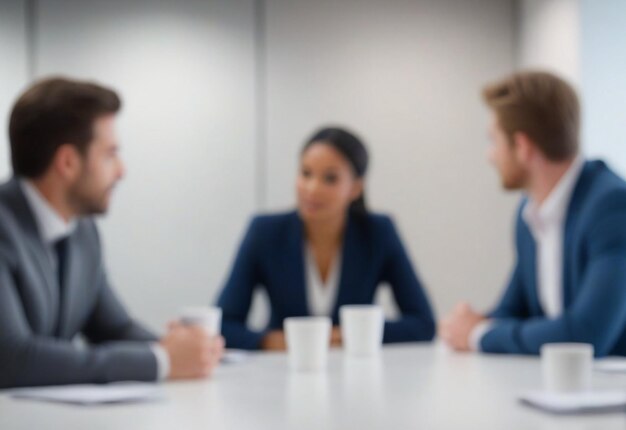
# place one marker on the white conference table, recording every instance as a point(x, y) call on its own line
point(409, 387)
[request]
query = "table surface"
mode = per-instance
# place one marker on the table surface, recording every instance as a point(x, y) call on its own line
point(409, 386)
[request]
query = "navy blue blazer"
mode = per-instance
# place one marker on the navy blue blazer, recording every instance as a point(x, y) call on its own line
point(272, 256)
point(594, 276)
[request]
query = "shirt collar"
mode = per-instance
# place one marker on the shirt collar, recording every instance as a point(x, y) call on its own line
point(52, 226)
point(554, 207)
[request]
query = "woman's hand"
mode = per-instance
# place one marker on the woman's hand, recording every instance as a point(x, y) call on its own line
point(335, 337)
point(274, 341)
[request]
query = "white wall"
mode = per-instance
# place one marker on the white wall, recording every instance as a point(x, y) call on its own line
point(585, 41)
point(548, 36)
point(186, 74)
point(13, 69)
point(603, 51)
point(406, 76)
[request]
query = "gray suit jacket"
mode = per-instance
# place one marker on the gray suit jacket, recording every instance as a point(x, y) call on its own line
point(37, 322)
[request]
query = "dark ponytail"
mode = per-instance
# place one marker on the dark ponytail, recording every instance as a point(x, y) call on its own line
point(353, 149)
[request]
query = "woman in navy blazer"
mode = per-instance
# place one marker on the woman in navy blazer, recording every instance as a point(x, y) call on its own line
point(331, 241)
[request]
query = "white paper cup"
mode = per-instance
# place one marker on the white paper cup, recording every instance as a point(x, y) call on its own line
point(207, 317)
point(308, 342)
point(362, 329)
point(566, 367)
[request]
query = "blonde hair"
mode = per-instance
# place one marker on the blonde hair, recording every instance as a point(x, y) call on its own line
point(540, 105)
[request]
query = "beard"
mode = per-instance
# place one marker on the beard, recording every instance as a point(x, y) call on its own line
point(513, 183)
point(88, 199)
point(89, 204)
point(513, 176)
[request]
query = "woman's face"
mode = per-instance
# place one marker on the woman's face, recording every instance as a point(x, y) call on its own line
point(326, 185)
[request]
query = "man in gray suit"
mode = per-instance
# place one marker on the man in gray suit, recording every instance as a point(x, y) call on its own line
point(53, 285)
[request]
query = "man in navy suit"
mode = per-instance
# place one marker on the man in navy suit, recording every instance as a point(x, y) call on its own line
point(569, 280)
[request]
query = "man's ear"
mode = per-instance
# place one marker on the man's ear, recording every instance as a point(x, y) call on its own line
point(524, 147)
point(67, 162)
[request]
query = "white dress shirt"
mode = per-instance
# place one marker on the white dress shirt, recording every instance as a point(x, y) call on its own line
point(547, 226)
point(321, 295)
point(52, 228)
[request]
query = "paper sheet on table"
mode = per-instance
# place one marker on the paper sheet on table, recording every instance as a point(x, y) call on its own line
point(610, 365)
point(93, 394)
point(234, 356)
point(574, 403)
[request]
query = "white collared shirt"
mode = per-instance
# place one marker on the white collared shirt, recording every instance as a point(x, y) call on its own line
point(52, 228)
point(321, 295)
point(547, 225)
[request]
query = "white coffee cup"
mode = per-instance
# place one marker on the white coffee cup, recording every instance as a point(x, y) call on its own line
point(207, 317)
point(308, 342)
point(566, 367)
point(362, 329)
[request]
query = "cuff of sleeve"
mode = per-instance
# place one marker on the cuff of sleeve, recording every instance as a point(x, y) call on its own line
point(477, 334)
point(163, 361)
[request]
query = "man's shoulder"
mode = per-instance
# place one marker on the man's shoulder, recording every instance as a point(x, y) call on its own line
point(272, 226)
point(602, 190)
point(9, 219)
point(8, 193)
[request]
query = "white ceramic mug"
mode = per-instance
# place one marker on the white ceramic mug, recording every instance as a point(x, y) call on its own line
point(566, 367)
point(362, 329)
point(207, 317)
point(308, 342)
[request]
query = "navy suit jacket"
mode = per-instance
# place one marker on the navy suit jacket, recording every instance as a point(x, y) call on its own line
point(272, 256)
point(594, 276)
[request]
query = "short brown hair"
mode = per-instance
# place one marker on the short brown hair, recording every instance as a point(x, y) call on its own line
point(541, 105)
point(53, 112)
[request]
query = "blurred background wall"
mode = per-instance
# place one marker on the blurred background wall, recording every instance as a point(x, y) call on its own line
point(219, 96)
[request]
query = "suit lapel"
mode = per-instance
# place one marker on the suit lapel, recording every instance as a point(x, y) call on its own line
point(533, 294)
point(352, 254)
point(578, 196)
point(50, 283)
point(70, 288)
point(295, 283)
